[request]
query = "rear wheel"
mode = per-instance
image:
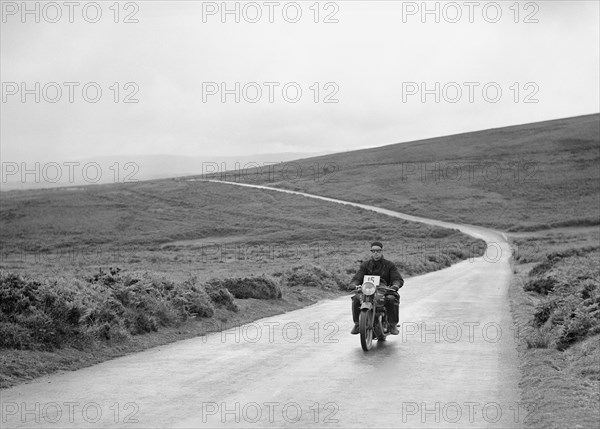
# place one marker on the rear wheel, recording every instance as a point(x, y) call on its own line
point(365, 324)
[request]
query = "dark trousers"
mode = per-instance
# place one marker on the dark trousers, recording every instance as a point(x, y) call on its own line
point(392, 307)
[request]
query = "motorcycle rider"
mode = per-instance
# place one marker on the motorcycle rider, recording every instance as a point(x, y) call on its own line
point(389, 275)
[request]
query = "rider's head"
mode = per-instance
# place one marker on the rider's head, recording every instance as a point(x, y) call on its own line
point(376, 250)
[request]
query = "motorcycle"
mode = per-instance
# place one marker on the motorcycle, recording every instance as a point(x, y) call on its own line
point(373, 320)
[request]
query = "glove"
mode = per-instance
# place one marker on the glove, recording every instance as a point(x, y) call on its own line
point(395, 287)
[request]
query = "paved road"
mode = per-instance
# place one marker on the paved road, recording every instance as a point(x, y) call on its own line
point(454, 364)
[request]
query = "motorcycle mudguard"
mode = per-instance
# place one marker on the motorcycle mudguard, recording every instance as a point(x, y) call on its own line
point(366, 306)
point(378, 328)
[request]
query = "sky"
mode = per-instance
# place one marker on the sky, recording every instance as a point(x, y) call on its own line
point(365, 74)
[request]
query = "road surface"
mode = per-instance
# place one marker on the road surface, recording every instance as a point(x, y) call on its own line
point(454, 364)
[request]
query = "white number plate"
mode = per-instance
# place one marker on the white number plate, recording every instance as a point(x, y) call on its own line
point(371, 279)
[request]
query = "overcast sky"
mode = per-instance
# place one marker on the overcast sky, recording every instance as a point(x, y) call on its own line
point(376, 54)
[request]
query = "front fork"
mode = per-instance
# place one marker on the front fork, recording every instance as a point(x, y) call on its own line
point(375, 319)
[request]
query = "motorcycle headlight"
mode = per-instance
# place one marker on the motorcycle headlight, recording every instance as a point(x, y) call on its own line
point(368, 288)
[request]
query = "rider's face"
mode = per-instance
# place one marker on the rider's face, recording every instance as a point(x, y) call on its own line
point(376, 253)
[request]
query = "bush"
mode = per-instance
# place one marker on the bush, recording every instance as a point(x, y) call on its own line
point(576, 329)
point(540, 338)
point(14, 336)
point(314, 276)
point(192, 300)
point(543, 285)
point(16, 294)
point(543, 267)
point(110, 305)
point(221, 296)
point(248, 287)
point(32, 313)
point(543, 313)
point(570, 311)
point(104, 306)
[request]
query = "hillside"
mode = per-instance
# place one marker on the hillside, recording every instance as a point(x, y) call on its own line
point(203, 224)
point(524, 177)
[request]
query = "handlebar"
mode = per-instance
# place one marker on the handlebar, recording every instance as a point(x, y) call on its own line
point(359, 288)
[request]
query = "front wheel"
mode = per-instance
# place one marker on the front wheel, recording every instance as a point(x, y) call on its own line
point(365, 324)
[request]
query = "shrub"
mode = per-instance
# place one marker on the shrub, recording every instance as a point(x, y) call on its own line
point(192, 300)
point(249, 287)
point(543, 285)
point(314, 276)
point(543, 313)
point(104, 306)
point(543, 267)
point(16, 294)
point(138, 322)
point(539, 338)
point(570, 312)
point(221, 296)
point(576, 329)
point(14, 336)
point(34, 313)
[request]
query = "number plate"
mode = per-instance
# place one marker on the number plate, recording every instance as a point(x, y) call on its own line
point(371, 279)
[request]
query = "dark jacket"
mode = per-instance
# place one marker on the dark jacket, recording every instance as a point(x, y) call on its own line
point(382, 268)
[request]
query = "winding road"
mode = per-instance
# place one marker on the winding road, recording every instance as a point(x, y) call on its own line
point(454, 364)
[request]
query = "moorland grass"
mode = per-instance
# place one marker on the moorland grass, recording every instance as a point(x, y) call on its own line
point(521, 178)
point(555, 296)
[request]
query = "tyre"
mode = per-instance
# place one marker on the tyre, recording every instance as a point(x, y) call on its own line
point(365, 324)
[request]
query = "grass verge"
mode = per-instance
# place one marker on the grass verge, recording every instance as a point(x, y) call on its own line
point(554, 298)
point(48, 328)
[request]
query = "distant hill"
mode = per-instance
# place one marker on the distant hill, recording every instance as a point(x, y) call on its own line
point(119, 169)
point(530, 176)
